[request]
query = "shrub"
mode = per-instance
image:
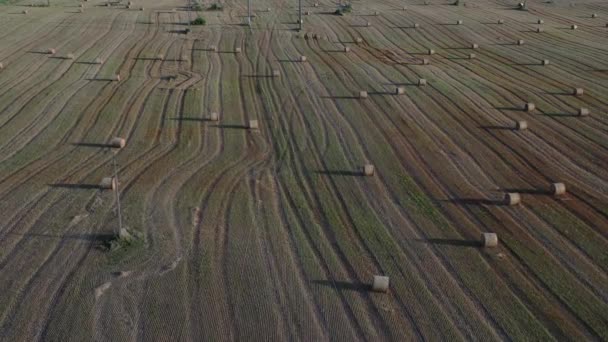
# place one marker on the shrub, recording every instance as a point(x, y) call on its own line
point(199, 21)
point(197, 7)
point(342, 9)
point(216, 7)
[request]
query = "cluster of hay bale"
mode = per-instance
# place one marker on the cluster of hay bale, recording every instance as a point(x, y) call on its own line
point(521, 125)
point(380, 283)
point(558, 189)
point(108, 183)
point(512, 198)
point(529, 107)
point(117, 142)
point(489, 239)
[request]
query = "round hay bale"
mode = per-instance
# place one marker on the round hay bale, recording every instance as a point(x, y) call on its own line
point(404, 8)
point(98, 61)
point(426, 61)
point(368, 169)
point(141, 8)
point(459, 22)
point(558, 189)
point(399, 91)
point(214, 116)
point(359, 40)
point(302, 59)
point(107, 4)
point(117, 142)
point(416, 25)
point(51, 51)
point(472, 56)
point(213, 48)
point(81, 5)
point(81, 10)
point(500, 21)
point(24, 11)
point(474, 46)
point(521, 125)
point(380, 283)
point(368, 24)
point(545, 62)
point(276, 73)
point(594, 15)
point(268, 9)
point(489, 239)
point(1, 66)
point(583, 112)
point(69, 56)
point(346, 49)
point(512, 198)
point(430, 52)
point(363, 94)
point(128, 7)
point(237, 50)
point(185, 58)
point(316, 4)
point(422, 82)
point(253, 124)
point(577, 91)
point(573, 27)
point(376, 13)
point(301, 21)
point(307, 13)
point(530, 107)
point(520, 42)
point(539, 30)
point(540, 21)
point(117, 78)
point(108, 183)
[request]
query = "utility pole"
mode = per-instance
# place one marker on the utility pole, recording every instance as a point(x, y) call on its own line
point(249, 13)
point(117, 195)
point(300, 14)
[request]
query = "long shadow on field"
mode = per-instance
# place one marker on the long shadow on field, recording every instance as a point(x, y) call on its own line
point(93, 238)
point(344, 285)
point(74, 186)
point(234, 126)
point(338, 173)
point(86, 144)
point(473, 201)
point(528, 64)
point(451, 242)
point(193, 119)
point(496, 127)
point(564, 115)
point(528, 191)
point(257, 76)
point(336, 97)
point(520, 109)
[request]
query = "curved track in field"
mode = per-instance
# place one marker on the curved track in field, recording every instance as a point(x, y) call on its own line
point(274, 232)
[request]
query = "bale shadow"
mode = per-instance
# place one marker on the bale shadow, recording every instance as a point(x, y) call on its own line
point(257, 76)
point(95, 145)
point(230, 126)
point(528, 191)
point(527, 64)
point(496, 127)
point(88, 63)
point(564, 115)
point(519, 109)
point(39, 52)
point(338, 173)
point(75, 186)
point(93, 238)
point(191, 119)
point(344, 285)
point(146, 59)
point(288, 61)
point(100, 79)
point(338, 97)
point(451, 242)
point(457, 58)
point(473, 201)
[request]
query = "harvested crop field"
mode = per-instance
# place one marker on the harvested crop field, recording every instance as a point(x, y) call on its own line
point(265, 175)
